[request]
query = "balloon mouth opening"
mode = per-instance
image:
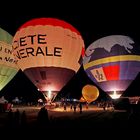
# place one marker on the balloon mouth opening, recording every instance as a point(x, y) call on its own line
point(115, 95)
point(50, 95)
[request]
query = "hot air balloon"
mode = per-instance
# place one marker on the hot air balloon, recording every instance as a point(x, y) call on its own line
point(8, 66)
point(82, 99)
point(112, 63)
point(90, 93)
point(49, 52)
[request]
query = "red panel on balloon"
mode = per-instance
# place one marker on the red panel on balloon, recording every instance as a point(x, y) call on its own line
point(49, 21)
point(112, 72)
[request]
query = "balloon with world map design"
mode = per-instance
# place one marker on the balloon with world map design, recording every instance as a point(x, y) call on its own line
point(112, 63)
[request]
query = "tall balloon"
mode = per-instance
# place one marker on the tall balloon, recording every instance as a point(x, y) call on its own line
point(90, 93)
point(49, 52)
point(112, 63)
point(8, 67)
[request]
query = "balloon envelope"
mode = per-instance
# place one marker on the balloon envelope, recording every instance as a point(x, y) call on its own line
point(112, 63)
point(82, 99)
point(90, 93)
point(48, 50)
point(8, 67)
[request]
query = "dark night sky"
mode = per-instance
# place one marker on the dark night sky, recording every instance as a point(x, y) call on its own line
point(93, 22)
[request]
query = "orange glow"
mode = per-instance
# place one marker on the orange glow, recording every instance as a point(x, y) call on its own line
point(90, 93)
point(82, 99)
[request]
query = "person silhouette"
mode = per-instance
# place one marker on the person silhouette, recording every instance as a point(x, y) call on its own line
point(10, 118)
point(23, 119)
point(43, 118)
point(74, 107)
point(80, 107)
point(65, 107)
point(17, 118)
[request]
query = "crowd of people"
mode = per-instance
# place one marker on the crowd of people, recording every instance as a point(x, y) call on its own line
point(73, 107)
point(17, 119)
point(78, 106)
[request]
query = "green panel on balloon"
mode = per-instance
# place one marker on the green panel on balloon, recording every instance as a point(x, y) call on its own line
point(6, 74)
point(5, 36)
point(8, 66)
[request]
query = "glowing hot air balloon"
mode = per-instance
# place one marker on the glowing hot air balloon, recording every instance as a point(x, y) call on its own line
point(8, 67)
point(112, 63)
point(82, 99)
point(90, 93)
point(48, 50)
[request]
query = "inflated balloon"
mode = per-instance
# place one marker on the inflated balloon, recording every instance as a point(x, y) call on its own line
point(49, 52)
point(112, 63)
point(82, 99)
point(90, 93)
point(8, 67)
